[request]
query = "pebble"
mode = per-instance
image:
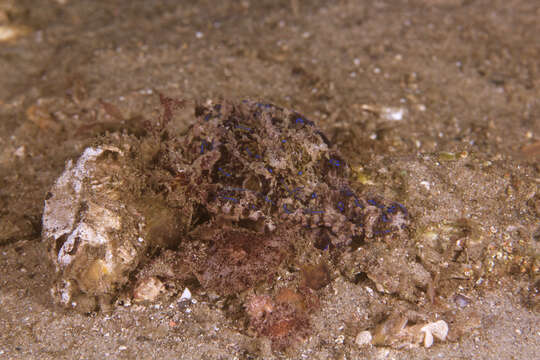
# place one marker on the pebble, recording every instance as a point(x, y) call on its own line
point(12, 32)
point(393, 113)
point(363, 338)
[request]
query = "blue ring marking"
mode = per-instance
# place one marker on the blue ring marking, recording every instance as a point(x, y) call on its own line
point(314, 195)
point(269, 170)
point(256, 156)
point(223, 171)
point(300, 172)
point(372, 202)
point(403, 208)
point(340, 206)
point(299, 120)
point(385, 218)
point(335, 162)
point(286, 210)
point(268, 199)
point(391, 209)
point(347, 192)
point(283, 141)
point(295, 191)
point(357, 203)
point(285, 186)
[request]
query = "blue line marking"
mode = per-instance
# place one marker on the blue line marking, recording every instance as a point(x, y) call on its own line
point(230, 198)
point(223, 171)
point(286, 210)
point(309, 211)
point(243, 127)
point(236, 189)
point(314, 195)
point(299, 120)
point(340, 206)
point(208, 145)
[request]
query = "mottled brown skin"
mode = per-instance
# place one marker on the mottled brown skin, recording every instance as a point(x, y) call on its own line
point(261, 167)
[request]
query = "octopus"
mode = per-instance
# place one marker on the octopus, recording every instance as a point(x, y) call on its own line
point(248, 188)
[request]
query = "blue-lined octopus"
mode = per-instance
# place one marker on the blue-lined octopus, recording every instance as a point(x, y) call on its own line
point(239, 193)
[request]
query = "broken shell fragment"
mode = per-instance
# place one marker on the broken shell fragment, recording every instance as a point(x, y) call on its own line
point(437, 329)
point(95, 227)
point(394, 332)
point(148, 289)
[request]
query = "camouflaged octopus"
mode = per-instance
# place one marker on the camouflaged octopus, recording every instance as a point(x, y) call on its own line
point(231, 197)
